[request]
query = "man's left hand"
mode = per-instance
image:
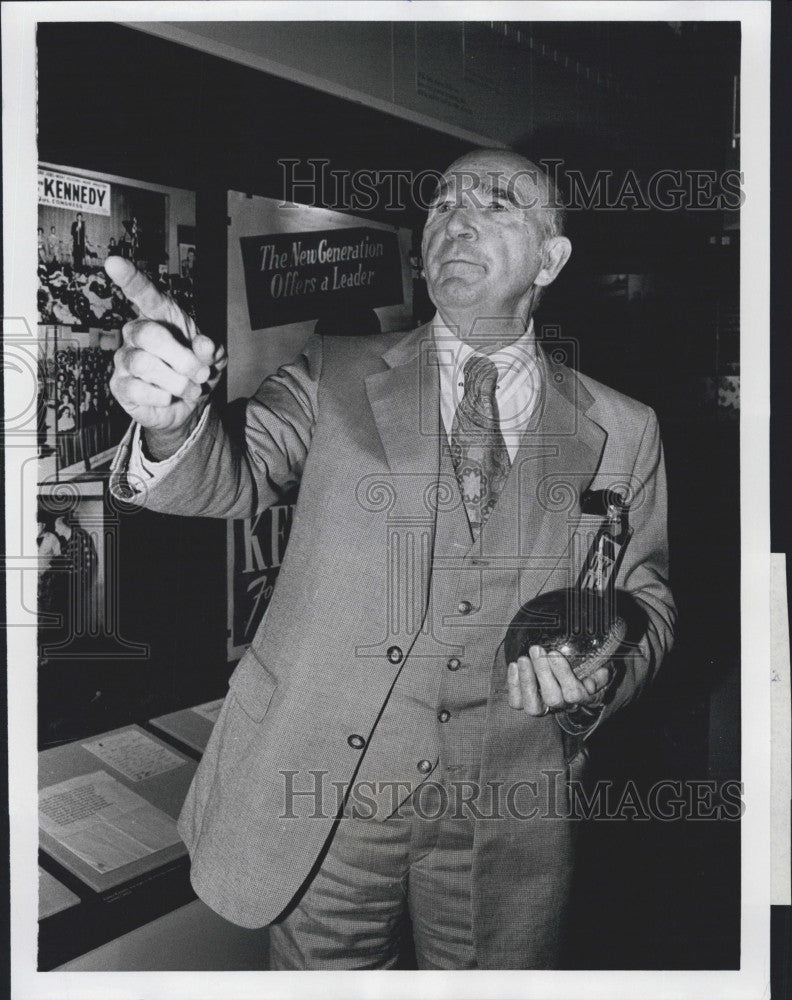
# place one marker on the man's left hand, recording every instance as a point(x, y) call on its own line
point(544, 682)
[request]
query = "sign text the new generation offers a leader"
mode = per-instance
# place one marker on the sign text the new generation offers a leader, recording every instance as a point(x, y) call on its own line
point(291, 277)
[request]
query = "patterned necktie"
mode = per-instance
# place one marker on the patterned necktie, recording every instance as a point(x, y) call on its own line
point(478, 451)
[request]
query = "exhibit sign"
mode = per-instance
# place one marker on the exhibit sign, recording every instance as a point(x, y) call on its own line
point(295, 276)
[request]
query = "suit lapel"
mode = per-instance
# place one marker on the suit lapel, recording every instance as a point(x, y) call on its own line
point(405, 401)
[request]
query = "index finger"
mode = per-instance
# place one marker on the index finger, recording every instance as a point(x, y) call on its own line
point(148, 299)
point(158, 340)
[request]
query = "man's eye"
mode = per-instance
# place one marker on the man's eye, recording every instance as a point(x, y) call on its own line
point(497, 206)
point(443, 206)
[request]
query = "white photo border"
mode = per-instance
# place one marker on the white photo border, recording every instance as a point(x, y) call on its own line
point(19, 328)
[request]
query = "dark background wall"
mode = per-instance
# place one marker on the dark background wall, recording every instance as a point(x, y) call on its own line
point(112, 99)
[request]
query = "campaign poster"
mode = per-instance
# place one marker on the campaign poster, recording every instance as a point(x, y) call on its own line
point(294, 270)
point(83, 219)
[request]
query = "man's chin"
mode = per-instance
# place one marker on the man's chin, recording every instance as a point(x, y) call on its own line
point(456, 293)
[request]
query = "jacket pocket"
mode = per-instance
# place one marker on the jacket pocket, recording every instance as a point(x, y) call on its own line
point(252, 685)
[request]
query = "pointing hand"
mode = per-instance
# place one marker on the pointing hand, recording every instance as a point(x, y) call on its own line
point(165, 369)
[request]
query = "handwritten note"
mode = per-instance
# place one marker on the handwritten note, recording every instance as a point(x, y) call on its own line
point(134, 754)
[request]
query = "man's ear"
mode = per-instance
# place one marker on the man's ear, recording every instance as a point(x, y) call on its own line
point(556, 253)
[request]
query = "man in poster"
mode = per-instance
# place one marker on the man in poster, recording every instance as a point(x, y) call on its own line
point(53, 246)
point(78, 241)
point(79, 580)
point(387, 684)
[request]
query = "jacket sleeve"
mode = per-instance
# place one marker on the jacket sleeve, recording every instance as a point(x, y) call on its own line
point(645, 575)
point(235, 468)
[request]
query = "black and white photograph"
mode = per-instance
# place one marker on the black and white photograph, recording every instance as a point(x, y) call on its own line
point(70, 544)
point(402, 583)
point(85, 218)
point(80, 422)
point(88, 673)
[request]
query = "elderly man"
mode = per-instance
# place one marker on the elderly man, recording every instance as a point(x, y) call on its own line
point(376, 755)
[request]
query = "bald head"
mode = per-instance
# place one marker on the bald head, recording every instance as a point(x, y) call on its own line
point(523, 182)
point(492, 240)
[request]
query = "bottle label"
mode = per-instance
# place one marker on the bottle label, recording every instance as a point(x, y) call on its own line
point(604, 557)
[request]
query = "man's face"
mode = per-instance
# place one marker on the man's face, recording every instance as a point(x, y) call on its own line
point(482, 246)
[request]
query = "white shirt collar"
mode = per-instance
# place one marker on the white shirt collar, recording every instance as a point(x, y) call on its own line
point(514, 362)
point(519, 377)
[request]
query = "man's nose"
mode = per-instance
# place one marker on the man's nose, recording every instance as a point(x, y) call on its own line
point(460, 224)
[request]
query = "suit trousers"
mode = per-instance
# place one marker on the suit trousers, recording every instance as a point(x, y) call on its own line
point(374, 873)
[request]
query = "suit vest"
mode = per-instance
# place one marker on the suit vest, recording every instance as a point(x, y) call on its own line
point(433, 723)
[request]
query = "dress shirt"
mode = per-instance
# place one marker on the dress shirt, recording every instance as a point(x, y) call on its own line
point(518, 385)
point(146, 469)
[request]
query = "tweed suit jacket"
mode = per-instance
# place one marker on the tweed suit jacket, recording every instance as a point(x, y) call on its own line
point(356, 422)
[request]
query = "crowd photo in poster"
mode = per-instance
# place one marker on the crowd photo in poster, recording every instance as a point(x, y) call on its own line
point(80, 422)
point(83, 220)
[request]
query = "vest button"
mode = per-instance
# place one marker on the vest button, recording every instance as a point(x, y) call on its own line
point(464, 607)
point(395, 655)
point(444, 715)
point(454, 663)
point(424, 766)
point(355, 741)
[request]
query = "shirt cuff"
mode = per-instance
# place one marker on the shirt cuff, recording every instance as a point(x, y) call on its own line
point(147, 469)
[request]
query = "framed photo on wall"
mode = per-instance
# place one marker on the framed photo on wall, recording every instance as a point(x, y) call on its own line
point(85, 217)
point(187, 260)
